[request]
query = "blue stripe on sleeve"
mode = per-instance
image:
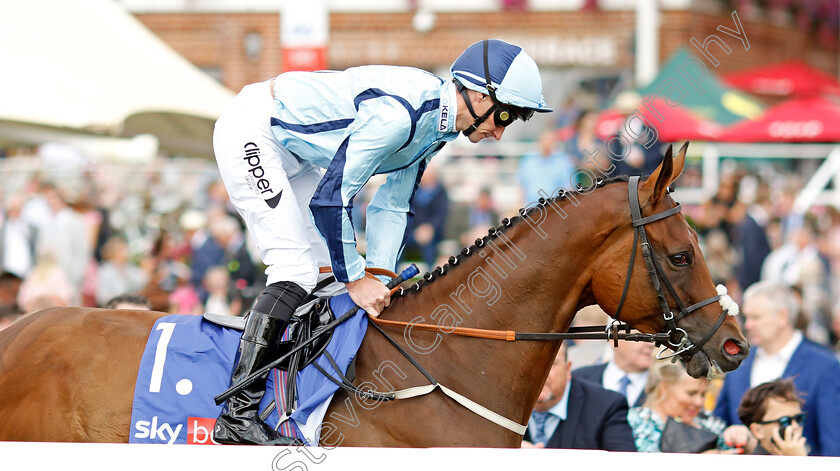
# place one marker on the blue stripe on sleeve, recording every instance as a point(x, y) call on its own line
point(313, 128)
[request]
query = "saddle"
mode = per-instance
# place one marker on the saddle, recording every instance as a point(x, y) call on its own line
point(309, 318)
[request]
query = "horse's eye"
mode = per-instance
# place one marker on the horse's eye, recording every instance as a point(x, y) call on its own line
point(680, 259)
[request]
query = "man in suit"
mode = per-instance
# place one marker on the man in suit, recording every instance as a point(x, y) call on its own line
point(572, 413)
point(625, 373)
point(780, 351)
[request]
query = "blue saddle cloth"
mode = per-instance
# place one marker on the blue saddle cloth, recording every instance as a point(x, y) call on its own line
point(188, 361)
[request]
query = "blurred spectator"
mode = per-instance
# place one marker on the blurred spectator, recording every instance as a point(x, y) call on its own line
point(46, 285)
point(641, 158)
point(573, 413)
point(129, 301)
point(750, 241)
point(238, 259)
point(176, 277)
point(790, 220)
point(626, 372)
point(799, 264)
point(779, 350)
point(723, 210)
point(431, 208)
point(17, 239)
point(221, 295)
point(9, 289)
point(167, 262)
point(585, 148)
point(66, 236)
point(672, 394)
point(117, 274)
point(80, 201)
point(719, 256)
point(36, 211)
point(184, 299)
point(773, 413)
point(193, 223)
point(479, 215)
point(546, 169)
point(482, 213)
point(210, 253)
point(568, 114)
point(795, 261)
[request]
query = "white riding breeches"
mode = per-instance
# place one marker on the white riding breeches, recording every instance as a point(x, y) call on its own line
point(270, 188)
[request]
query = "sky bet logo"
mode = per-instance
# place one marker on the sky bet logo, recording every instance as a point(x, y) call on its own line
point(157, 431)
point(199, 431)
point(255, 179)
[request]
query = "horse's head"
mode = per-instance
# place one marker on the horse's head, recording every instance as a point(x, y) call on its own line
point(666, 286)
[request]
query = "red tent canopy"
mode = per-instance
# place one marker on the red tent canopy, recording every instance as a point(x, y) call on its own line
point(804, 119)
point(789, 78)
point(673, 123)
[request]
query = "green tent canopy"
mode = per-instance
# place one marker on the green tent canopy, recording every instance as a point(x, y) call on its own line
point(717, 102)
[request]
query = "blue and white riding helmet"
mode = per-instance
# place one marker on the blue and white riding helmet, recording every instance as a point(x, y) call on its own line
point(506, 73)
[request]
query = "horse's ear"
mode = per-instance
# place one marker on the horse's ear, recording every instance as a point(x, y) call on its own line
point(652, 189)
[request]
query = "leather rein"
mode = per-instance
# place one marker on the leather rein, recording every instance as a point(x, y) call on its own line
point(672, 335)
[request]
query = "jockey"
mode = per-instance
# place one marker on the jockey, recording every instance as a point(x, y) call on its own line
point(276, 136)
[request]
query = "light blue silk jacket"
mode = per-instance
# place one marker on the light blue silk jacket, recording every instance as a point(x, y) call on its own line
point(358, 123)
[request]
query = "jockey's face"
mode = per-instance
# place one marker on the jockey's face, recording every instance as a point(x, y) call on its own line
point(488, 129)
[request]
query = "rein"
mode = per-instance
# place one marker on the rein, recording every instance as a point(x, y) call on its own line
point(672, 335)
point(605, 332)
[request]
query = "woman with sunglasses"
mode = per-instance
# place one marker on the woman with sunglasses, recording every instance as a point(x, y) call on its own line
point(773, 413)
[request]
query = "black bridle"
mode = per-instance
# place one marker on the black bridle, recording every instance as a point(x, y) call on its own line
point(678, 339)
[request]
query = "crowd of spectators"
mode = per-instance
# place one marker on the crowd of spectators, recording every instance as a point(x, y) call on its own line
point(89, 241)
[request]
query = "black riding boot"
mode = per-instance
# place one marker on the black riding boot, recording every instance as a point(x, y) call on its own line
point(239, 423)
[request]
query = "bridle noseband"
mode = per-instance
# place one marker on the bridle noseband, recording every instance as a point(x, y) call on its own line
point(678, 339)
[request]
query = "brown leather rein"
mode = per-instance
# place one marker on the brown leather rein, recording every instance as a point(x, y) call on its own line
point(615, 331)
point(683, 346)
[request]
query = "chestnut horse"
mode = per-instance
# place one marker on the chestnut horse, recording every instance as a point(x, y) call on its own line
point(68, 374)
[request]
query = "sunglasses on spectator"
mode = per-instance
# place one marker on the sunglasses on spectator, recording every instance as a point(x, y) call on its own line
point(787, 420)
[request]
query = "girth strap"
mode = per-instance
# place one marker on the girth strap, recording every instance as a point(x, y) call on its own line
point(466, 402)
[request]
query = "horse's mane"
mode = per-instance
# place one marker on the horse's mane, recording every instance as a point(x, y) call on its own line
point(506, 224)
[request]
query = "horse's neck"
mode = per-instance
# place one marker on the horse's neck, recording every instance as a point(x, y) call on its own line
point(531, 277)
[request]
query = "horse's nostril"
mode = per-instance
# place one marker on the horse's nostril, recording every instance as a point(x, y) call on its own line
point(731, 347)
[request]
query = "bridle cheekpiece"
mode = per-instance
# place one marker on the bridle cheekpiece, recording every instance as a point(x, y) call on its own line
point(678, 339)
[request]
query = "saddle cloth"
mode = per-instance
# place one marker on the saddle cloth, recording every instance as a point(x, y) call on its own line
point(188, 361)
